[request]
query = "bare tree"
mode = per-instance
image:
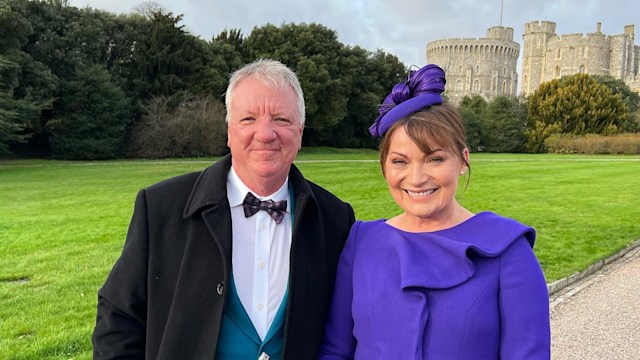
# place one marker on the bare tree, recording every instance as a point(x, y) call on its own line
point(148, 8)
point(194, 127)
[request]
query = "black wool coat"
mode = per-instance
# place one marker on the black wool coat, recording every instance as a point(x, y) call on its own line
point(165, 296)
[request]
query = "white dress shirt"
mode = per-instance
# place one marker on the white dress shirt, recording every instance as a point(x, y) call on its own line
point(260, 254)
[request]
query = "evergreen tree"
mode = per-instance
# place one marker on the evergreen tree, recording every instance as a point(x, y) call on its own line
point(631, 100)
point(93, 117)
point(503, 121)
point(472, 109)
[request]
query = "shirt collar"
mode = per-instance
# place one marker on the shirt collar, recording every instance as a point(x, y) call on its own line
point(237, 190)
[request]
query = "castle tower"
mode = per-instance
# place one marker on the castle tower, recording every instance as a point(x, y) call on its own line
point(623, 54)
point(478, 66)
point(535, 38)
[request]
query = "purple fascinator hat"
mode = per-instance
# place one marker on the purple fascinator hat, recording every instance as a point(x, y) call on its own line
point(422, 90)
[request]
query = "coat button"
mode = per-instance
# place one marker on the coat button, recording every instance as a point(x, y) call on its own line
point(220, 288)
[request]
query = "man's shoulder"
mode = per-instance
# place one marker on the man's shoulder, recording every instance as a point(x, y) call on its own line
point(215, 173)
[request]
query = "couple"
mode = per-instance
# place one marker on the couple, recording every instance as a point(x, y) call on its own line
point(435, 282)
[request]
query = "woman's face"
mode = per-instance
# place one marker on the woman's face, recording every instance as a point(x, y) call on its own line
point(423, 185)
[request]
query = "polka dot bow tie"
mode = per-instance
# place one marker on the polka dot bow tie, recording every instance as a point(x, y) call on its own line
point(275, 209)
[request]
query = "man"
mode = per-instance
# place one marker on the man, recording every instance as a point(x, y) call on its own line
point(203, 275)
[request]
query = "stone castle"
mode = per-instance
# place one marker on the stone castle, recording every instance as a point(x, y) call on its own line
point(487, 66)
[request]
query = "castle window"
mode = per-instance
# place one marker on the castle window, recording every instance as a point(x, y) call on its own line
point(504, 71)
point(581, 69)
point(476, 86)
point(459, 85)
point(504, 87)
point(460, 69)
point(559, 54)
point(557, 72)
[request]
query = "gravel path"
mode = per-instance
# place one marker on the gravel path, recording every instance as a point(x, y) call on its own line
point(598, 317)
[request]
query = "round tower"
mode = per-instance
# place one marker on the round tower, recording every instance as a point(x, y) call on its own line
point(478, 66)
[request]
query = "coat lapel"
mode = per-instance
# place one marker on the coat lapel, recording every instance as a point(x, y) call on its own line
point(209, 196)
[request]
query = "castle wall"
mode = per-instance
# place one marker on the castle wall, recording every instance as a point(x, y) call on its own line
point(548, 56)
point(575, 53)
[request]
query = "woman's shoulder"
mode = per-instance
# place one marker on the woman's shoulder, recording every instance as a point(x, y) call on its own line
point(493, 230)
point(366, 226)
point(490, 233)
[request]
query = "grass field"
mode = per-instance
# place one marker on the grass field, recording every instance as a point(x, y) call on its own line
point(62, 224)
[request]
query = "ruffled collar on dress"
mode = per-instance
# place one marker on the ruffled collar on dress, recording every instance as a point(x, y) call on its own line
point(439, 260)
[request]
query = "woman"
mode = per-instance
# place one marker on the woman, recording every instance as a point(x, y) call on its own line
point(436, 281)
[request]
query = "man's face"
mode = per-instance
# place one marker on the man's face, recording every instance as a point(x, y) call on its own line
point(265, 134)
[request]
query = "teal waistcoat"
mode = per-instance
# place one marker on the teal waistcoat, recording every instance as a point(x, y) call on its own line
point(239, 340)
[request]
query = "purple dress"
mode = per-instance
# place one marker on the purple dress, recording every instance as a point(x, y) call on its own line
point(473, 291)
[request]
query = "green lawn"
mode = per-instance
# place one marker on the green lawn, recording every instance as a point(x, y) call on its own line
point(62, 224)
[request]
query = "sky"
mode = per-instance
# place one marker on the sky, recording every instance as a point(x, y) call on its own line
point(399, 27)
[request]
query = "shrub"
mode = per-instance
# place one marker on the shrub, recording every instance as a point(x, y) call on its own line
point(194, 127)
point(627, 144)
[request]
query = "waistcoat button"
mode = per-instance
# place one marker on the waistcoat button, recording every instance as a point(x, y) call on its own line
point(220, 288)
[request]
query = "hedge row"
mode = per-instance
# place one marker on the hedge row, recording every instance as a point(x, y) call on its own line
point(628, 144)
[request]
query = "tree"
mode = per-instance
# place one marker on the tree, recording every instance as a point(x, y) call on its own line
point(224, 59)
point(631, 100)
point(231, 37)
point(9, 124)
point(503, 121)
point(576, 104)
point(471, 110)
point(148, 9)
point(369, 78)
point(26, 85)
point(62, 39)
point(94, 113)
